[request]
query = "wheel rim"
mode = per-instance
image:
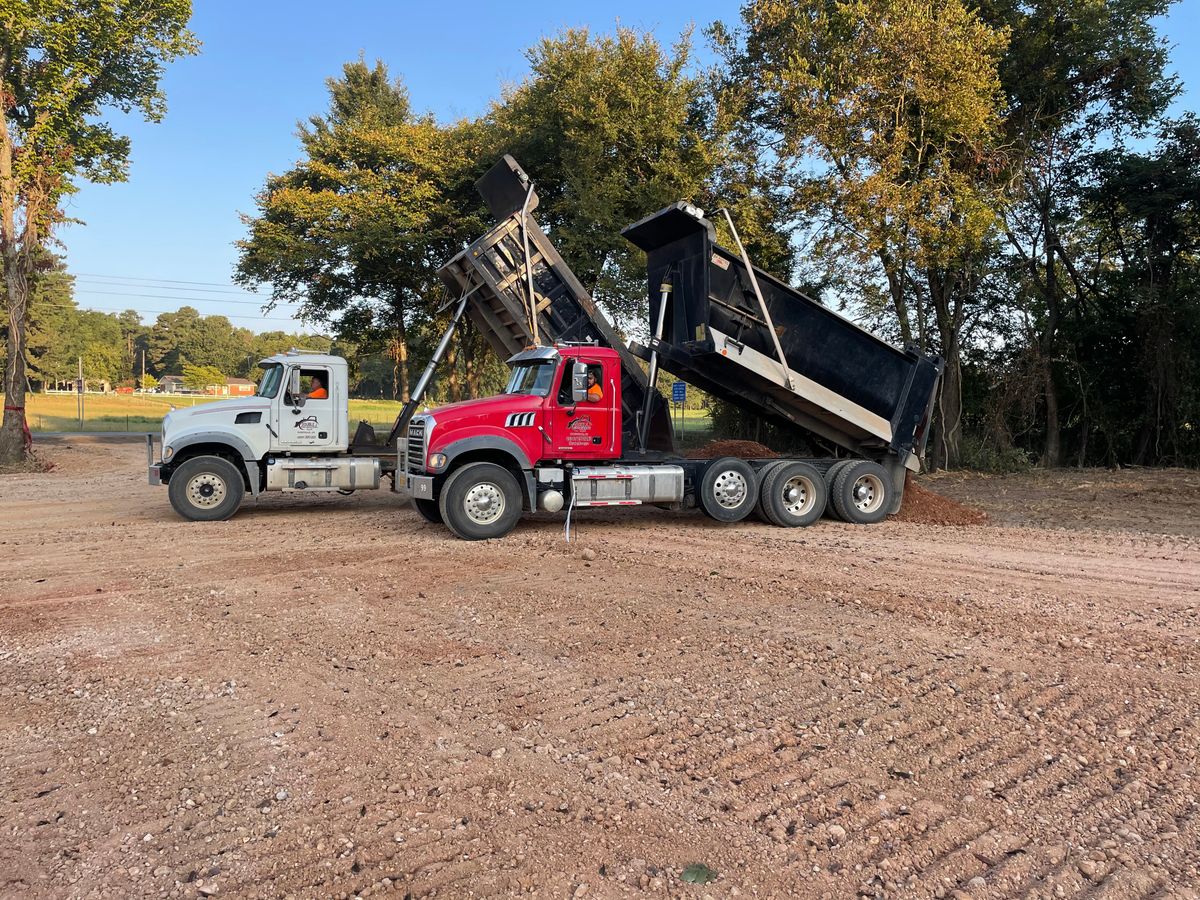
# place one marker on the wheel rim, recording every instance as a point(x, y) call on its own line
point(798, 495)
point(484, 503)
point(730, 489)
point(868, 493)
point(206, 490)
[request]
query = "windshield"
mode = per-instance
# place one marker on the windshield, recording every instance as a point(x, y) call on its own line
point(268, 385)
point(531, 378)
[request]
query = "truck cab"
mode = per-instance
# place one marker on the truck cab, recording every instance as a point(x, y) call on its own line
point(292, 435)
point(561, 407)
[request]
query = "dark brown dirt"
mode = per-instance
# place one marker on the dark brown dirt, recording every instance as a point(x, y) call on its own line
point(924, 507)
point(743, 449)
point(327, 697)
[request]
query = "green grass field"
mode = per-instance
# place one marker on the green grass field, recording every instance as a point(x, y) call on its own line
point(144, 412)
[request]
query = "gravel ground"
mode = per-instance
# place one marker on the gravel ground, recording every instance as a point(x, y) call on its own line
point(328, 697)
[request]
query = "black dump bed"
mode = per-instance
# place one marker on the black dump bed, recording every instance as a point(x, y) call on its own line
point(492, 270)
point(846, 385)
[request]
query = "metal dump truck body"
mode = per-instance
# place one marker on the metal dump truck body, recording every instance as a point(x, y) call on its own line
point(492, 270)
point(842, 383)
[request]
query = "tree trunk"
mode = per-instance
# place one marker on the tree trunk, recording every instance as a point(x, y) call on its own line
point(452, 378)
point(402, 355)
point(1052, 458)
point(948, 410)
point(14, 432)
point(472, 351)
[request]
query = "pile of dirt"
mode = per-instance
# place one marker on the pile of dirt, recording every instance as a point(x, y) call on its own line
point(923, 507)
point(744, 449)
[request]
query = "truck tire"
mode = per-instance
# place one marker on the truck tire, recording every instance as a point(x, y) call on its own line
point(481, 501)
point(760, 511)
point(862, 493)
point(728, 489)
point(793, 495)
point(428, 510)
point(206, 489)
point(831, 475)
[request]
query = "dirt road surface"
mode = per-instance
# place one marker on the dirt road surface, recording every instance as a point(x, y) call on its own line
point(328, 697)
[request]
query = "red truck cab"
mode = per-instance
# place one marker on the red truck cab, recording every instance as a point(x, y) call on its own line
point(561, 406)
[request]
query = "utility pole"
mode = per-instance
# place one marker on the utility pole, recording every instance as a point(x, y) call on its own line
point(79, 393)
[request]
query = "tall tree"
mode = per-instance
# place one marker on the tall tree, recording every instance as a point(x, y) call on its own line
point(355, 231)
point(1077, 75)
point(613, 128)
point(886, 114)
point(63, 63)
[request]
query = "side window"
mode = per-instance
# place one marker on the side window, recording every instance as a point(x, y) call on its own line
point(564, 386)
point(595, 383)
point(314, 383)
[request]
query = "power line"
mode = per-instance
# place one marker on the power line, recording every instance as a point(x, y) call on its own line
point(141, 278)
point(113, 281)
point(87, 290)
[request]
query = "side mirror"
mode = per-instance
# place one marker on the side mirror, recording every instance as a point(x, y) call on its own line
point(579, 382)
point(294, 395)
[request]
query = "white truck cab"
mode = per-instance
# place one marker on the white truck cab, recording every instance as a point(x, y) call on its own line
point(292, 435)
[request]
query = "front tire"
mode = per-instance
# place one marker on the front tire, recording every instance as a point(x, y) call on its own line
point(728, 489)
point(206, 489)
point(481, 501)
point(428, 510)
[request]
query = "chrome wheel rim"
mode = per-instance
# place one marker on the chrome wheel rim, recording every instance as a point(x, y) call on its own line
point(868, 493)
point(484, 503)
point(798, 495)
point(730, 489)
point(206, 490)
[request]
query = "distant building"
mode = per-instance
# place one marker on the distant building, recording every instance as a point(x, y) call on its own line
point(233, 387)
point(170, 384)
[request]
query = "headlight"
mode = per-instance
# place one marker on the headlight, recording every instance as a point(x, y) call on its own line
point(168, 452)
point(437, 460)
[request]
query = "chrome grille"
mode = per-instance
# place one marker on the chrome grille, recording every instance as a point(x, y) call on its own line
point(415, 453)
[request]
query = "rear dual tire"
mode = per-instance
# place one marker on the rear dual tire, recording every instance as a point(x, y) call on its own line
point(793, 495)
point(860, 491)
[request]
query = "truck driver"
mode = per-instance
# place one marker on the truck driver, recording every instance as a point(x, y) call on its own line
point(594, 392)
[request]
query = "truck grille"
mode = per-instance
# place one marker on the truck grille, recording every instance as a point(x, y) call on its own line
point(415, 452)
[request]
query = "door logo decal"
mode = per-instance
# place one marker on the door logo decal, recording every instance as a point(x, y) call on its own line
point(583, 423)
point(308, 423)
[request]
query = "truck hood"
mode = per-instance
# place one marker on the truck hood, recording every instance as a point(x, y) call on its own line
point(208, 415)
point(483, 409)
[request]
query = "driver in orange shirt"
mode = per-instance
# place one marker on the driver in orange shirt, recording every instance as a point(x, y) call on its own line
point(317, 390)
point(594, 392)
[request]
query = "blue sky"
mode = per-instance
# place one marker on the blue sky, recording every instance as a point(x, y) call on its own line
point(166, 237)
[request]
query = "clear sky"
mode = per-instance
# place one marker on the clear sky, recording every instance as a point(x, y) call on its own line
point(166, 237)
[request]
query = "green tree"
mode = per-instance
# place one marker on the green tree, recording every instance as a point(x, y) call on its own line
point(613, 128)
point(62, 65)
point(355, 232)
point(1078, 75)
point(147, 382)
point(198, 378)
point(885, 116)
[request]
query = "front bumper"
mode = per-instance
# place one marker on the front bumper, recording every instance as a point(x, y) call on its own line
point(153, 469)
point(419, 487)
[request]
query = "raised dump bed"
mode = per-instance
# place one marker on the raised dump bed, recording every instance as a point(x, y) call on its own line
point(492, 272)
point(840, 382)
